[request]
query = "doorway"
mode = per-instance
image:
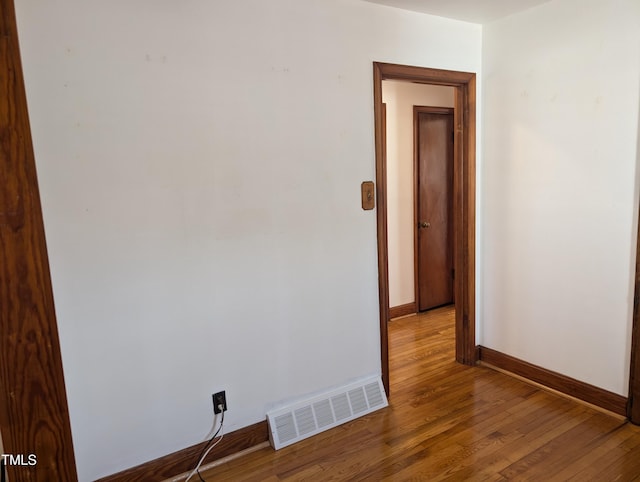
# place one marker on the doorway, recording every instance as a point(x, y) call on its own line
point(464, 85)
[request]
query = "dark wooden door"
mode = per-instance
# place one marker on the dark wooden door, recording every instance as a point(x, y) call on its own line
point(434, 207)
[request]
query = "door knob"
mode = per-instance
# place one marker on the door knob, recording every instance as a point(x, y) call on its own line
point(424, 224)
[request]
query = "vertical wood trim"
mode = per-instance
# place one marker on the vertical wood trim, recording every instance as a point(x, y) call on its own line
point(380, 118)
point(464, 220)
point(34, 417)
point(468, 254)
point(458, 234)
point(633, 405)
point(464, 201)
point(416, 218)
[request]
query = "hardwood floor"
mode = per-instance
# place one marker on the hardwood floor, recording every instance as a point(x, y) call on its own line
point(448, 421)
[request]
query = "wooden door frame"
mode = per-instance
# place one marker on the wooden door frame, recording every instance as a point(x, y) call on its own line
point(464, 179)
point(34, 416)
point(633, 400)
point(420, 109)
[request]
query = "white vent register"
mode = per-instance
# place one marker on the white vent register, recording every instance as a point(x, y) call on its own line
point(322, 412)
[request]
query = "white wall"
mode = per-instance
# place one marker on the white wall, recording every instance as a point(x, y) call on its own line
point(200, 165)
point(559, 186)
point(400, 98)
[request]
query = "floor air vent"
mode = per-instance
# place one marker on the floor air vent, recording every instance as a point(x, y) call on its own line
point(322, 412)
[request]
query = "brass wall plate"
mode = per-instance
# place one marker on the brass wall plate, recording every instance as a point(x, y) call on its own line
point(368, 195)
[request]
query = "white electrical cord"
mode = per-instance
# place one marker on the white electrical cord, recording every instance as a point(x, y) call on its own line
point(204, 456)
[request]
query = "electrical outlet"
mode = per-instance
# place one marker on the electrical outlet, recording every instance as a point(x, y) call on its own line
point(219, 399)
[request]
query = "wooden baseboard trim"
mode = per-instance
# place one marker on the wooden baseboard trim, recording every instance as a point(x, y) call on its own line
point(569, 386)
point(402, 310)
point(207, 467)
point(177, 463)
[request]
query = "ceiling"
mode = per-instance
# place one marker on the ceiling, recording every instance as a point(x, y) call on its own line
point(476, 11)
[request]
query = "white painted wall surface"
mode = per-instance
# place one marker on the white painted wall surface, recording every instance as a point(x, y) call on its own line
point(559, 186)
point(400, 98)
point(200, 165)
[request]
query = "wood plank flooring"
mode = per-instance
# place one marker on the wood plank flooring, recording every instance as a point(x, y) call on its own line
point(448, 421)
